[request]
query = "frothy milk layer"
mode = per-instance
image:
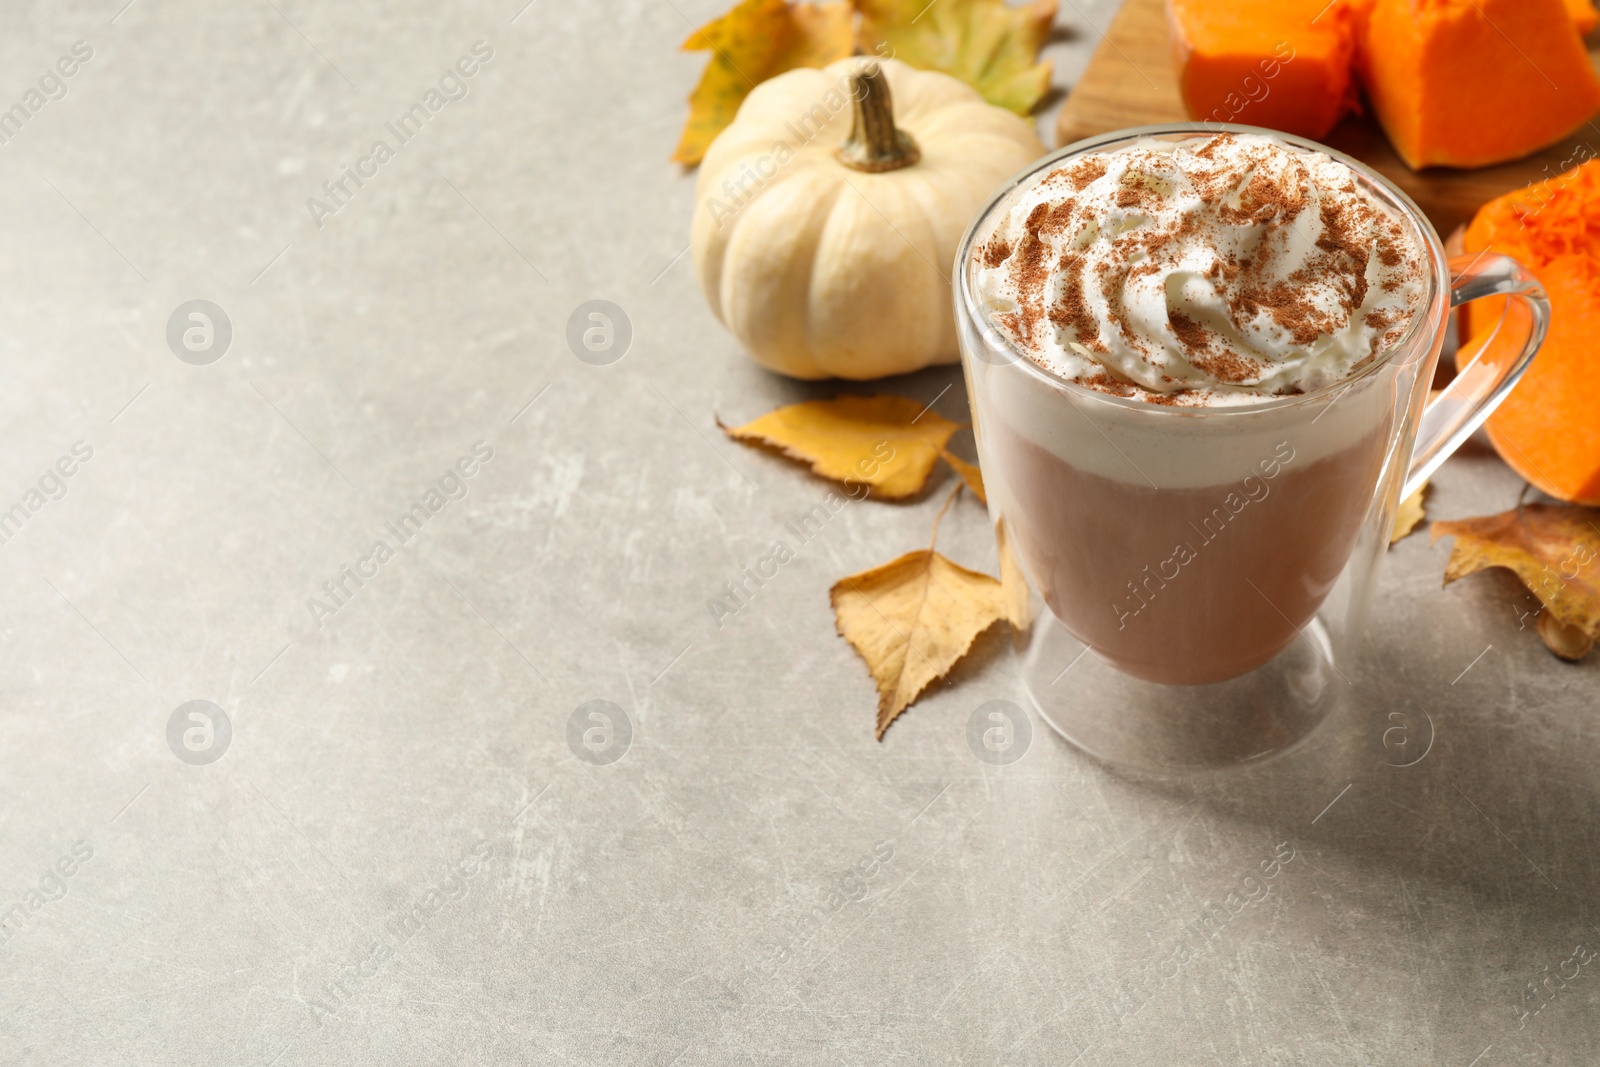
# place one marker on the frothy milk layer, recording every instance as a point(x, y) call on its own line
point(1201, 273)
point(1163, 448)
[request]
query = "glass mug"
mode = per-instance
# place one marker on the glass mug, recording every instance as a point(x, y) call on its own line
point(1207, 571)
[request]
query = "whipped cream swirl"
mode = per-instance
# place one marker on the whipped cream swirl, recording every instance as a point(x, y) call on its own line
point(1202, 272)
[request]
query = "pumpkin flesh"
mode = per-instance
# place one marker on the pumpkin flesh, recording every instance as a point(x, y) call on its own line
point(1548, 428)
point(1282, 64)
point(1469, 83)
point(1585, 16)
point(1462, 83)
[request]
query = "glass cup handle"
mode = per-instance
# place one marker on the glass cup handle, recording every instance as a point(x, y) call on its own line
point(1461, 407)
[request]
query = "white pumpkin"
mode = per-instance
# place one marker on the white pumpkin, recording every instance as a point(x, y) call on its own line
point(829, 213)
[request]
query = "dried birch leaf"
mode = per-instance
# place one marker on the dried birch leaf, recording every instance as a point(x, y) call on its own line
point(988, 44)
point(889, 442)
point(912, 619)
point(748, 45)
point(1553, 548)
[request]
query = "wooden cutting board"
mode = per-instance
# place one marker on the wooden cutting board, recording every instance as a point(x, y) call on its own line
point(1130, 81)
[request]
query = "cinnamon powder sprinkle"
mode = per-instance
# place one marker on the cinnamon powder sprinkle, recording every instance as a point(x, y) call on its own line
point(1193, 336)
point(1287, 307)
point(1072, 311)
point(996, 252)
point(1226, 366)
point(1086, 173)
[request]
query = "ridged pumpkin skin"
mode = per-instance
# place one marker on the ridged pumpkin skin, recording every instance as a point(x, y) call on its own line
point(824, 271)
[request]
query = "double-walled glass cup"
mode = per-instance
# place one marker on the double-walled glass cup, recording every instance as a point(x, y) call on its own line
point(1206, 571)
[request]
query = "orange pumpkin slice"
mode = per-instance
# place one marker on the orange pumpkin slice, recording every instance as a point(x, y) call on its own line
point(1548, 429)
point(1468, 83)
point(1584, 16)
point(1283, 64)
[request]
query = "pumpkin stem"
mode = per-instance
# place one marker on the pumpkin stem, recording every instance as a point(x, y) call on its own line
point(874, 144)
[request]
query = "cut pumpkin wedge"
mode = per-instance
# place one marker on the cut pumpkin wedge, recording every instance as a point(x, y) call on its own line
point(1458, 83)
point(1584, 16)
point(1282, 64)
point(1469, 83)
point(1548, 429)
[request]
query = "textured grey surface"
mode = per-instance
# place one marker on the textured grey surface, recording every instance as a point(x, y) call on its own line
point(755, 880)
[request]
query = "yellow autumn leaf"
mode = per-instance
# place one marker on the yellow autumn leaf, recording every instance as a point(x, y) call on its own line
point(889, 442)
point(911, 620)
point(969, 473)
point(748, 45)
point(1409, 514)
point(988, 44)
point(1553, 548)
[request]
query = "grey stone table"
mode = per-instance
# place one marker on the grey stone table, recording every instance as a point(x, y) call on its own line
point(373, 843)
